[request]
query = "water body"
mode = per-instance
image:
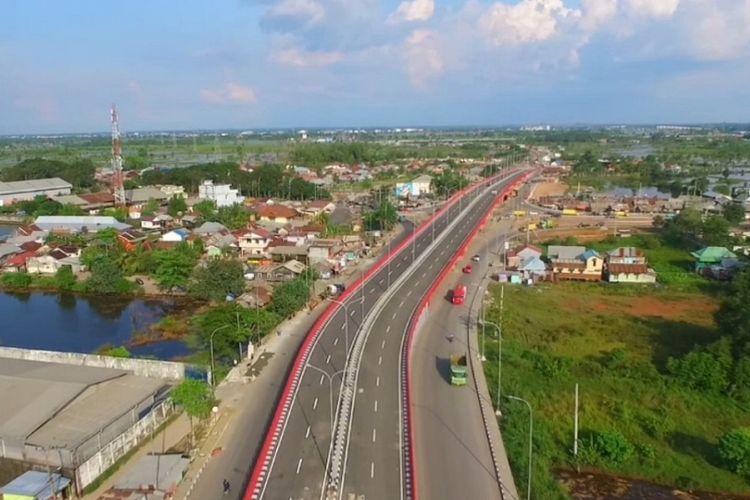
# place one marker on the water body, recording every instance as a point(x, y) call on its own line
point(65, 322)
point(6, 231)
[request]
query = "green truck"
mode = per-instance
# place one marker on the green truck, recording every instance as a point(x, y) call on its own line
point(458, 369)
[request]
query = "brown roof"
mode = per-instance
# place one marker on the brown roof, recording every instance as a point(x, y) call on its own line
point(97, 198)
point(27, 230)
point(31, 246)
point(276, 211)
point(628, 268)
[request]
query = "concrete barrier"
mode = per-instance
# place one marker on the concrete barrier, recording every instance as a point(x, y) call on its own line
point(168, 370)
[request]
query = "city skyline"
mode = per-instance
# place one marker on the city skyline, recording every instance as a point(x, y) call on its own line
point(365, 63)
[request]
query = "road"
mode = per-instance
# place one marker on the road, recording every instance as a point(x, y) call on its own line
point(372, 466)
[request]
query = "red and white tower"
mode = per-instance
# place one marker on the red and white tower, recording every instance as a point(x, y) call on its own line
point(118, 186)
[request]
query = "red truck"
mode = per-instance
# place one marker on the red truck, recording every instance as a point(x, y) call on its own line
point(459, 295)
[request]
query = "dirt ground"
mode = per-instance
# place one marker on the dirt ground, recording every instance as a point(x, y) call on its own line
point(590, 486)
point(543, 189)
point(696, 310)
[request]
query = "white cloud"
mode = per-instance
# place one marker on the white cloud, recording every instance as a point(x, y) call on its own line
point(413, 10)
point(653, 8)
point(717, 29)
point(231, 93)
point(595, 13)
point(308, 11)
point(525, 22)
point(422, 58)
point(305, 59)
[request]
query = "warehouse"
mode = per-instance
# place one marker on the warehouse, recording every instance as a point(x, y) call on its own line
point(11, 192)
point(77, 418)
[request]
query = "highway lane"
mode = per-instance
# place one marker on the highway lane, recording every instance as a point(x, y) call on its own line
point(298, 469)
point(374, 460)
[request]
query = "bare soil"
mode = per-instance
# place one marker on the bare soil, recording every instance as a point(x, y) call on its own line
point(544, 189)
point(694, 310)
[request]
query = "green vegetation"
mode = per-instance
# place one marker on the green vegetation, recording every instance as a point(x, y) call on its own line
point(80, 173)
point(290, 297)
point(734, 450)
point(216, 279)
point(173, 268)
point(196, 398)
point(381, 218)
point(623, 345)
point(115, 352)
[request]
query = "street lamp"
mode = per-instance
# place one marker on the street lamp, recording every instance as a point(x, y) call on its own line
point(531, 435)
point(346, 319)
point(330, 388)
point(499, 360)
point(211, 344)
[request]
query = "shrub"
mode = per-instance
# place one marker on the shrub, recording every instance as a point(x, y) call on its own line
point(15, 280)
point(656, 425)
point(646, 452)
point(611, 447)
point(734, 450)
point(615, 359)
point(707, 370)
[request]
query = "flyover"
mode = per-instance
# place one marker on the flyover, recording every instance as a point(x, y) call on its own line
point(298, 459)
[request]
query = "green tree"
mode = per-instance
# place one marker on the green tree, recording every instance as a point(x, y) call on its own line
point(611, 447)
point(15, 280)
point(150, 207)
point(206, 209)
point(217, 278)
point(383, 217)
point(174, 267)
point(196, 398)
point(177, 206)
point(715, 231)
point(290, 297)
point(106, 277)
point(65, 278)
point(706, 369)
point(233, 217)
point(734, 213)
point(734, 450)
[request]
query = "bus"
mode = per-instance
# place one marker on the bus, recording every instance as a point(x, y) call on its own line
point(459, 295)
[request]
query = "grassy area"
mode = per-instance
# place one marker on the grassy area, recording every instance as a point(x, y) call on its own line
point(614, 341)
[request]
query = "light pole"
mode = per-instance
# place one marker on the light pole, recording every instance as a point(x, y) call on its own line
point(346, 320)
point(531, 444)
point(211, 345)
point(330, 387)
point(499, 361)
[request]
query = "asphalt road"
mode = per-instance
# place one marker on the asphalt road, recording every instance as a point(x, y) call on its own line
point(373, 461)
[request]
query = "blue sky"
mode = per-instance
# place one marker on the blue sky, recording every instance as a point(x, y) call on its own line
point(315, 63)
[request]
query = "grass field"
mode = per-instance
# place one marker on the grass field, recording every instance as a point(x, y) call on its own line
point(614, 342)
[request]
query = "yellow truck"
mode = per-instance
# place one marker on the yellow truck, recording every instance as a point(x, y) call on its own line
point(570, 211)
point(519, 213)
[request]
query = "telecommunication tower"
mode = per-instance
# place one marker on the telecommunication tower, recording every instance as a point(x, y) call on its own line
point(118, 186)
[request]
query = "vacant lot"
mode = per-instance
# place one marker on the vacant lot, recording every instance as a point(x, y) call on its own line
point(614, 341)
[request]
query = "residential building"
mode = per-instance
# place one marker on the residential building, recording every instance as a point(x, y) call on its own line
point(284, 271)
point(575, 263)
point(279, 214)
point(78, 223)
point(209, 228)
point(159, 221)
point(223, 241)
point(256, 296)
point(712, 256)
point(533, 267)
point(144, 195)
point(11, 192)
point(253, 242)
point(519, 255)
point(341, 216)
point(130, 239)
point(175, 235)
point(317, 207)
point(37, 485)
point(420, 186)
point(54, 259)
point(626, 255)
point(322, 250)
point(221, 194)
point(630, 273)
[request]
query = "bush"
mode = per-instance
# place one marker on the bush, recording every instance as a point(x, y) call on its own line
point(656, 425)
point(65, 279)
point(15, 280)
point(646, 452)
point(615, 359)
point(706, 370)
point(611, 447)
point(548, 365)
point(734, 450)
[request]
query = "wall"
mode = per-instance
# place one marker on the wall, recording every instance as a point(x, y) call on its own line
point(143, 367)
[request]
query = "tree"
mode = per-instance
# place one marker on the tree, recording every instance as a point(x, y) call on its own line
point(706, 369)
point(174, 267)
point(715, 231)
point(65, 278)
point(196, 398)
point(685, 227)
point(206, 209)
point(177, 206)
point(217, 278)
point(290, 297)
point(243, 325)
point(150, 207)
point(382, 218)
point(734, 213)
point(106, 277)
point(700, 184)
point(233, 217)
point(611, 446)
point(734, 450)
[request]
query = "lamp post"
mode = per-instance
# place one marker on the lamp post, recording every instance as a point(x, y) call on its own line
point(531, 435)
point(346, 319)
point(330, 388)
point(499, 361)
point(211, 345)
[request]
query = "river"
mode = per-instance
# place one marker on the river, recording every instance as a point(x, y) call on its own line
point(66, 322)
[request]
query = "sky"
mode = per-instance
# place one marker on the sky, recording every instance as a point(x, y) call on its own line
point(221, 64)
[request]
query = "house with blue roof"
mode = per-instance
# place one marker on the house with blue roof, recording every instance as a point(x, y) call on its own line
point(35, 485)
point(575, 263)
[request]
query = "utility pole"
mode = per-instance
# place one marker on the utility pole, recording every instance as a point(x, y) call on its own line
point(575, 426)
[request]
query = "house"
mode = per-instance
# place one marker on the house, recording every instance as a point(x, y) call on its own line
point(209, 228)
point(279, 214)
point(519, 255)
point(130, 239)
point(712, 256)
point(322, 250)
point(53, 260)
point(219, 243)
point(420, 186)
point(317, 207)
point(190, 221)
point(256, 296)
point(175, 236)
point(533, 267)
point(284, 252)
point(341, 216)
point(253, 242)
point(285, 271)
point(575, 263)
point(78, 223)
point(37, 485)
point(221, 194)
point(159, 221)
point(17, 262)
point(626, 255)
point(630, 273)
point(8, 249)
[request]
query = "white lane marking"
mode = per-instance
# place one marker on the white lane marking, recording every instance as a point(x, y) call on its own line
point(373, 435)
point(372, 290)
point(307, 434)
point(408, 293)
point(299, 465)
point(394, 315)
point(376, 406)
point(322, 378)
point(425, 273)
point(343, 325)
point(372, 470)
point(381, 281)
point(400, 305)
point(315, 404)
point(388, 329)
point(352, 313)
point(335, 341)
point(377, 381)
point(328, 360)
point(380, 361)
point(382, 344)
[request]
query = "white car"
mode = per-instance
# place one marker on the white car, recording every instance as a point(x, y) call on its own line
point(476, 258)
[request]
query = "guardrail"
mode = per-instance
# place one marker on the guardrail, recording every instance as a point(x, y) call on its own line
point(263, 463)
point(408, 445)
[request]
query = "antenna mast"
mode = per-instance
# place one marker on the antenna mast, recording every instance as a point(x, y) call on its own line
point(118, 187)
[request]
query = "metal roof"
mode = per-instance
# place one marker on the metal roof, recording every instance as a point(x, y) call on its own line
point(12, 187)
point(36, 484)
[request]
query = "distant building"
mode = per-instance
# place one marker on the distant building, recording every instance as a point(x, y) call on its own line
point(11, 192)
point(221, 194)
point(420, 186)
point(78, 223)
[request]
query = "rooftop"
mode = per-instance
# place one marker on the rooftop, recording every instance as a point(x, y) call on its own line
point(35, 484)
point(34, 185)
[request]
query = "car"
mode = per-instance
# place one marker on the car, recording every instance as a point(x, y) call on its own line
point(139, 281)
point(467, 269)
point(476, 258)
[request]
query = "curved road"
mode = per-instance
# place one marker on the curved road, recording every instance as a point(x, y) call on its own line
point(373, 459)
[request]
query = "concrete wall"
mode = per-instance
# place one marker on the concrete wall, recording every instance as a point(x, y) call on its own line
point(143, 367)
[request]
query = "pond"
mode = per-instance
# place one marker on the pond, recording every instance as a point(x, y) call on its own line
point(66, 322)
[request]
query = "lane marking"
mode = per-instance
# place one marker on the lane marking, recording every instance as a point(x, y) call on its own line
point(343, 325)
point(377, 381)
point(382, 344)
point(352, 313)
point(376, 406)
point(380, 361)
point(394, 315)
point(372, 290)
point(307, 434)
point(372, 470)
point(322, 378)
point(299, 465)
point(373, 435)
point(388, 329)
point(315, 404)
point(328, 360)
point(335, 341)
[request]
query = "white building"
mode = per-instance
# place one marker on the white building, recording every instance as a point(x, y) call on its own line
point(420, 186)
point(221, 194)
point(11, 192)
